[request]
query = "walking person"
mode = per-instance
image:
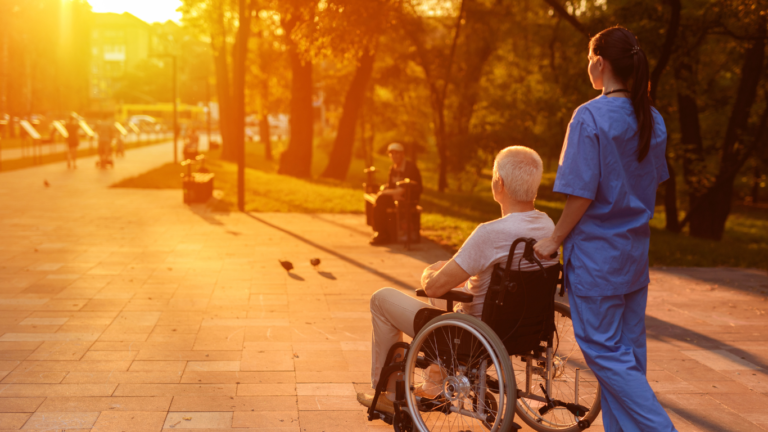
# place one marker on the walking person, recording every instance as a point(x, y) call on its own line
point(105, 129)
point(610, 167)
point(73, 141)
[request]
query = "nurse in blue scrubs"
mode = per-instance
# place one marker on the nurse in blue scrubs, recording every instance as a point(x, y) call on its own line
point(610, 167)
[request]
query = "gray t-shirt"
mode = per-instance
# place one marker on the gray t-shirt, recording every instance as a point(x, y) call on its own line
point(489, 244)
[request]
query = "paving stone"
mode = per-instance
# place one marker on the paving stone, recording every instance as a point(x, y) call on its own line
point(325, 389)
point(61, 420)
point(75, 404)
point(238, 377)
point(176, 390)
point(266, 389)
point(278, 420)
point(110, 355)
point(198, 420)
point(207, 366)
point(328, 403)
point(20, 405)
point(168, 366)
point(129, 421)
point(51, 390)
point(33, 377)
point(342, 421)
point(162, 377)
point(236, 403)
point(13, 420)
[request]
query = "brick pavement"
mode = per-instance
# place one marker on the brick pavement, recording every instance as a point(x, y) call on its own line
point(125, 310)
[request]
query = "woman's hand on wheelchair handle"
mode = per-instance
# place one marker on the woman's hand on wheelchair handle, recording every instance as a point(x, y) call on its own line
point(545, 248)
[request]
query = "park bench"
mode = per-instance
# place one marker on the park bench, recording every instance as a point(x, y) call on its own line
point(197, 186)
point(407, 211)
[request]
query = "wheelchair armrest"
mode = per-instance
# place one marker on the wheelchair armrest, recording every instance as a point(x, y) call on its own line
point(450, 296)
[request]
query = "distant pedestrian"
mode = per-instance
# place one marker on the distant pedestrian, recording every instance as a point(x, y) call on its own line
point(119, 145)
point(73, 141)
point(105, 130)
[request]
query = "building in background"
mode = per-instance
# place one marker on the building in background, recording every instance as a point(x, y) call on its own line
point(119, 42)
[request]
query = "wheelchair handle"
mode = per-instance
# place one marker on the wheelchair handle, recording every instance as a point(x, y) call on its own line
point(530, 255)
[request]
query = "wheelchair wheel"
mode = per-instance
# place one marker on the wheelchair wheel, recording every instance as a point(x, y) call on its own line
point(462, 360)
point(566, 359)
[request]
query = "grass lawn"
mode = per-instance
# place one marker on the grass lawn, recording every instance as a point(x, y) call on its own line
point(450, 217)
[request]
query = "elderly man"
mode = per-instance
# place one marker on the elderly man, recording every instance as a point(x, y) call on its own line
point(401, 169)
point(516, 177)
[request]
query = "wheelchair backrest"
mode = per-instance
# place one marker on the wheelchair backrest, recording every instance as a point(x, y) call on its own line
point(519, 305)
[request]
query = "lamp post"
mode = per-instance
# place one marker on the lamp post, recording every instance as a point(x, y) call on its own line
point(208, 108)
point(175, 109)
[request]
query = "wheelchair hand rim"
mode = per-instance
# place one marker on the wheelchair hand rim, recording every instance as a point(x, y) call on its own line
point(414, 351)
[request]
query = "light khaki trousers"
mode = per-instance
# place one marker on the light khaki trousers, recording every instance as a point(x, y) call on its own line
point(392, 314)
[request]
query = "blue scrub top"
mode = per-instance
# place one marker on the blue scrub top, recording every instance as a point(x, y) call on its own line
point(606, 253)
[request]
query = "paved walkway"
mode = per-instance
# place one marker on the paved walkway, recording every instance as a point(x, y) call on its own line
point(124, 310)
point(61, 147)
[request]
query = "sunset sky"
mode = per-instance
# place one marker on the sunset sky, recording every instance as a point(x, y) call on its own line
point(148, 10)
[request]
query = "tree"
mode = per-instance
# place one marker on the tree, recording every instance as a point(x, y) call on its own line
point(227, 25)
point(710, 208)
point(350, 29)
point(296, 18)
point(436, 61)
point(267, 93)
point(341, 155)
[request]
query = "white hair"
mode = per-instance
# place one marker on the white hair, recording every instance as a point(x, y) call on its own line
point(520, 168)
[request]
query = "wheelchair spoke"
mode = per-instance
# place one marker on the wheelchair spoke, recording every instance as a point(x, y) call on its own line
point(566, 359)
point(458, 350)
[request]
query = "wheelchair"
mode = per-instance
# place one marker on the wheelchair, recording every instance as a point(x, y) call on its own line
point(458, 372)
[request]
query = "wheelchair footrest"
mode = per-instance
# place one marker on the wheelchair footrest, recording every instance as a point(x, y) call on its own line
point(575, 409)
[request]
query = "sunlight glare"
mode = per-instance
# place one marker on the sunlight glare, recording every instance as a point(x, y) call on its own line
point(147, 10)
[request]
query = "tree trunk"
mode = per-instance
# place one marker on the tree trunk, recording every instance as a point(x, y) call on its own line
point(669, 44)
point(225, 106)
point(712, 212)
point(341, 155)
point(691, 143)
point(756, 184)
point(670, 200)
point(708, 217)
point(442, 149)
point(297, 159)
point(264, 136)
point(670, 186)
point(239, 58)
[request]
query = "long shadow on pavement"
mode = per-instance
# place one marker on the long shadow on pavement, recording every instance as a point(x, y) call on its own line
point(342, 257)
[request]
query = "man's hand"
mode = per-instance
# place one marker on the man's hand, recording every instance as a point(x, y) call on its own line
point(545, 248)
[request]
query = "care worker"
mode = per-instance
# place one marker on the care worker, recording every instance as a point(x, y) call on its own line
point(610, 167)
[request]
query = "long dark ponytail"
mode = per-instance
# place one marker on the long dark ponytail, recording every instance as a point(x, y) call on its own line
point(619, 47)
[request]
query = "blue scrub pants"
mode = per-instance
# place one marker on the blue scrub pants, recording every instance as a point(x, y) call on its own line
point(611, 333)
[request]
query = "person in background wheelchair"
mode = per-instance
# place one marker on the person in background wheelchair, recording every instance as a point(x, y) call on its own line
point(517, 173)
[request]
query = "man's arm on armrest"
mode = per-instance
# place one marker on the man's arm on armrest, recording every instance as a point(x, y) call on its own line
point(441, 277)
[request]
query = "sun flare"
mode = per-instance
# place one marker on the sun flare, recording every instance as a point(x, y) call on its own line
point(147, 10)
